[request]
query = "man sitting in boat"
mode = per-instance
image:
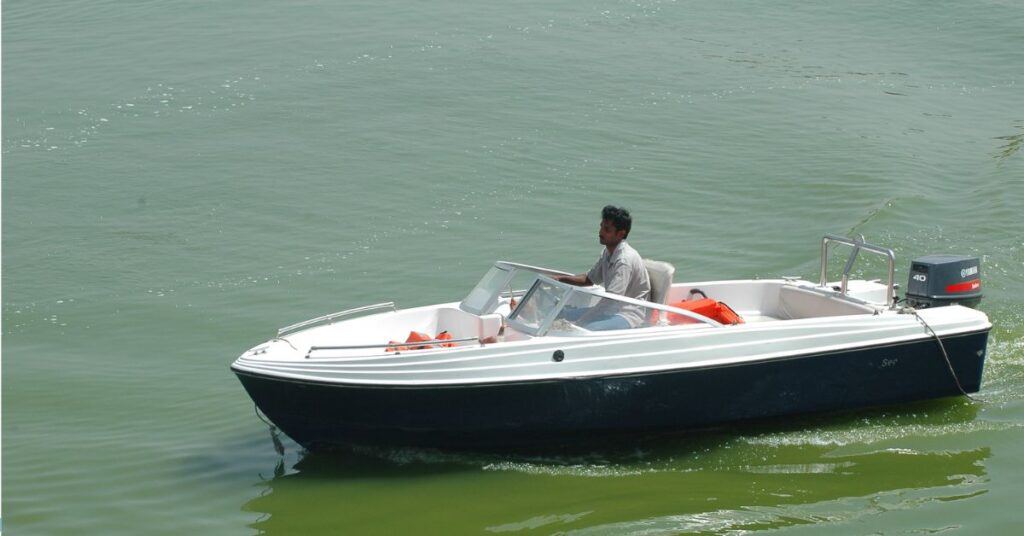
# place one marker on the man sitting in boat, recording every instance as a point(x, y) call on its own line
point(620, 269)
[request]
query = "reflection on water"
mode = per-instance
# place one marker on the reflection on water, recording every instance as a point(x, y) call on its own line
point(756, 478)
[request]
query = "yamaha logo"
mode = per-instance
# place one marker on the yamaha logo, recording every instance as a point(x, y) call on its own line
point(973, 270)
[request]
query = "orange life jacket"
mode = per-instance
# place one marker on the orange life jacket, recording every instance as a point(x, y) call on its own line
point(416, 336)
point(445, 336)
point(711, 308)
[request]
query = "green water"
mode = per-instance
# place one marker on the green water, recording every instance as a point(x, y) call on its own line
point(181, 178)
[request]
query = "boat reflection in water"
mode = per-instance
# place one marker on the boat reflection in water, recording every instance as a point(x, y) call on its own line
point(826, 470)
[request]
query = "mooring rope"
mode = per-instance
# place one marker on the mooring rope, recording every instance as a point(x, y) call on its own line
point(945, 355)
point(274, 435)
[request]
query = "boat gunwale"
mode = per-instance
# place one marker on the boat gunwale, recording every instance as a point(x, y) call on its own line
point(433, 384)
point(652, 333)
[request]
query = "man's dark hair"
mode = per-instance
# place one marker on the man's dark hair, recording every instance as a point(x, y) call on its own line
point(619, 218)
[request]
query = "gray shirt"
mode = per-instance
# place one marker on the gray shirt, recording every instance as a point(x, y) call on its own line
point(622, 272)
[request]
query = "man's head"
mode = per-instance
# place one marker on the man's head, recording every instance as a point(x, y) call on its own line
point(615, 225)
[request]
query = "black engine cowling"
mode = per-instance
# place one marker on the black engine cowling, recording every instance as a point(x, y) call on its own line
point(937, 280)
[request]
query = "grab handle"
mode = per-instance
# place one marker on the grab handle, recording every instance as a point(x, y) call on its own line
point(858, 245)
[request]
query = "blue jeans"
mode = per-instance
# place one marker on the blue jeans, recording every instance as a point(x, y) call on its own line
point(605, 323)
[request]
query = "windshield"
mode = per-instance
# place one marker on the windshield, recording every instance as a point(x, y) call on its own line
point(484, 297)
point(503, 281)
point(563, 309)
point(538, 305)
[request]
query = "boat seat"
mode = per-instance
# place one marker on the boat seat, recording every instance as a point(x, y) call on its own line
point(660, 273)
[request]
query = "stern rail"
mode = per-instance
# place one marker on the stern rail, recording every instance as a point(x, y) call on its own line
point(858, 244)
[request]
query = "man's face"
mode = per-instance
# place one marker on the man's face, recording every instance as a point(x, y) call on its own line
point(609, 235)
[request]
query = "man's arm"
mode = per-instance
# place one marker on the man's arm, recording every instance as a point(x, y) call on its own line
point(580, 280)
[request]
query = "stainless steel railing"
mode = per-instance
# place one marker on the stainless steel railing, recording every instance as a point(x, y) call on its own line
point(419, 345)
point(857, 245)
point(332, 316)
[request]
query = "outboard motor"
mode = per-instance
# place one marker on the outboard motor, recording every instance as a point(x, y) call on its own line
point(937, 280)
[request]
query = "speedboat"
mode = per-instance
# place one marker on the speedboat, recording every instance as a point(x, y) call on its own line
point(513, 363)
